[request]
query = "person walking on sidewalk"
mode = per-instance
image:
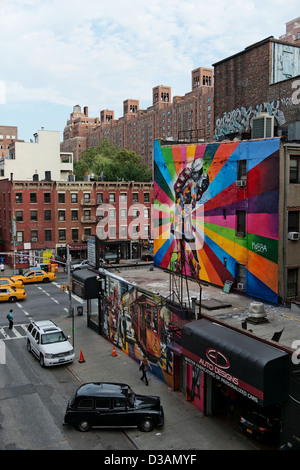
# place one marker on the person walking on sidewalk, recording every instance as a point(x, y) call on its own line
point(2, 268)
point(144, 364)
point(10, 319)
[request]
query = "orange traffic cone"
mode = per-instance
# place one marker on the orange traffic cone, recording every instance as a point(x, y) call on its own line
point(114, 352)
point(81, 359)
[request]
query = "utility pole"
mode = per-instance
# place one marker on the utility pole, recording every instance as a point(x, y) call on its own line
point(71, 310)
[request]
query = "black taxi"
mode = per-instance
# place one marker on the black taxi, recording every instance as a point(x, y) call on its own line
point(105, 404)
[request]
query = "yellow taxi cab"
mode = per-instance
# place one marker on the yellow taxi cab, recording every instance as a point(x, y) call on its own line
point(6, 281)
point(12, 294)
point(34, 276)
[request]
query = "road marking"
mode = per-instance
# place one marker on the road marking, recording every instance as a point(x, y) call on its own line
point(54, 300)
point(14, 331)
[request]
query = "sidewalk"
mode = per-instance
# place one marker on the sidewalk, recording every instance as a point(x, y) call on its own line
point(185, 426)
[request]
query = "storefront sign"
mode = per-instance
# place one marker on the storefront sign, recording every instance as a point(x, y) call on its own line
point(252, 368)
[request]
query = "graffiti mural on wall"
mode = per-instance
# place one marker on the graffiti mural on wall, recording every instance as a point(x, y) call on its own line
point(139, 322)
point(225, 229)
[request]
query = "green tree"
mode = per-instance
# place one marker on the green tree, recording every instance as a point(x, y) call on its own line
point(112, 162)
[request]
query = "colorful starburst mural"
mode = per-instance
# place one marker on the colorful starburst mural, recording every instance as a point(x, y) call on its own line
point(215, 213)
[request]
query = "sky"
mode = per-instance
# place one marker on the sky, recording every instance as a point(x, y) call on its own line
point(56, 54)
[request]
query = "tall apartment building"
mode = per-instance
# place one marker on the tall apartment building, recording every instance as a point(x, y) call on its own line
point(8, 134)
point(187, 117)
point(46, 216)
point(77, 130)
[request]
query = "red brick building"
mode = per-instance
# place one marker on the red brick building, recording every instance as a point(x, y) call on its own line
point(8, 134)
point(263, 78)
point(187, 117)
point(41, 218)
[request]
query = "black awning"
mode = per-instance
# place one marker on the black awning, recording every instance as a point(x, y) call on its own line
point(253, 368)
point(85, 284)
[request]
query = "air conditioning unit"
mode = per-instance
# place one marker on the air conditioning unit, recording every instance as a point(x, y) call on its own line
point(34, 239)
point(294, 235)
point(241, 183)
point(240, 286)
point(262, 126)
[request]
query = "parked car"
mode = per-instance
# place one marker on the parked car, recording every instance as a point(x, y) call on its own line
point(11, 294)
point(34, 276)
point(85, 264)
point(105, 404)
point(260, 427)
point(6, 281)
point(49, 343)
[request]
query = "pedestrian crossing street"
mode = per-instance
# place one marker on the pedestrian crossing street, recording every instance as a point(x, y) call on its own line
point(18, 331)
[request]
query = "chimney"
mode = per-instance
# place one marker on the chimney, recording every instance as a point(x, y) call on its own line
point(86, 111)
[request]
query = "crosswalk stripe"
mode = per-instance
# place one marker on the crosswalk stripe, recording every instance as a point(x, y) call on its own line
point(14, 333)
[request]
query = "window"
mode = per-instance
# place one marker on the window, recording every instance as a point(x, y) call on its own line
point(135, 197)
point(47, 214)
point(112, 197)
point(292, 282)
point(146, 213)
point(293, 221)
point(47, 198)
point(123, 214)
point(123, 231)
point(112, 232)
point(99, 198)
point(33, 198)
point(146, 197)
point(61, 198)
point(62, 234)
point(241, 274)
point(74, 215)
point(34, 235)
point(74, 198)
point(240, 224)
point(19, 216)
point(242, 170)
point(102, 403)
point(87, 197)
point(87, 215)
point(75, 235)
point(86, 403)
point(48, 235)
point(19, 198)
point(123, 197)
point(61, 216)
point(294, 169)
point(135, 213)
point(33, 216)
point(146, 231)
point(20, 236)
point(119, 402)
point(112, 214)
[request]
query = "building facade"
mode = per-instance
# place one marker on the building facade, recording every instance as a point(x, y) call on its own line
point(228, 213)
point(263, 78)
point(76, 132)
point(292, 33)
point(8, 134)
point(39, 160)
point(186, 117)
point(42, 217)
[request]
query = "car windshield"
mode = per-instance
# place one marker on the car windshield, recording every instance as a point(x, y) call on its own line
point(56, 337)
point(28, 273)
point(131, 396)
